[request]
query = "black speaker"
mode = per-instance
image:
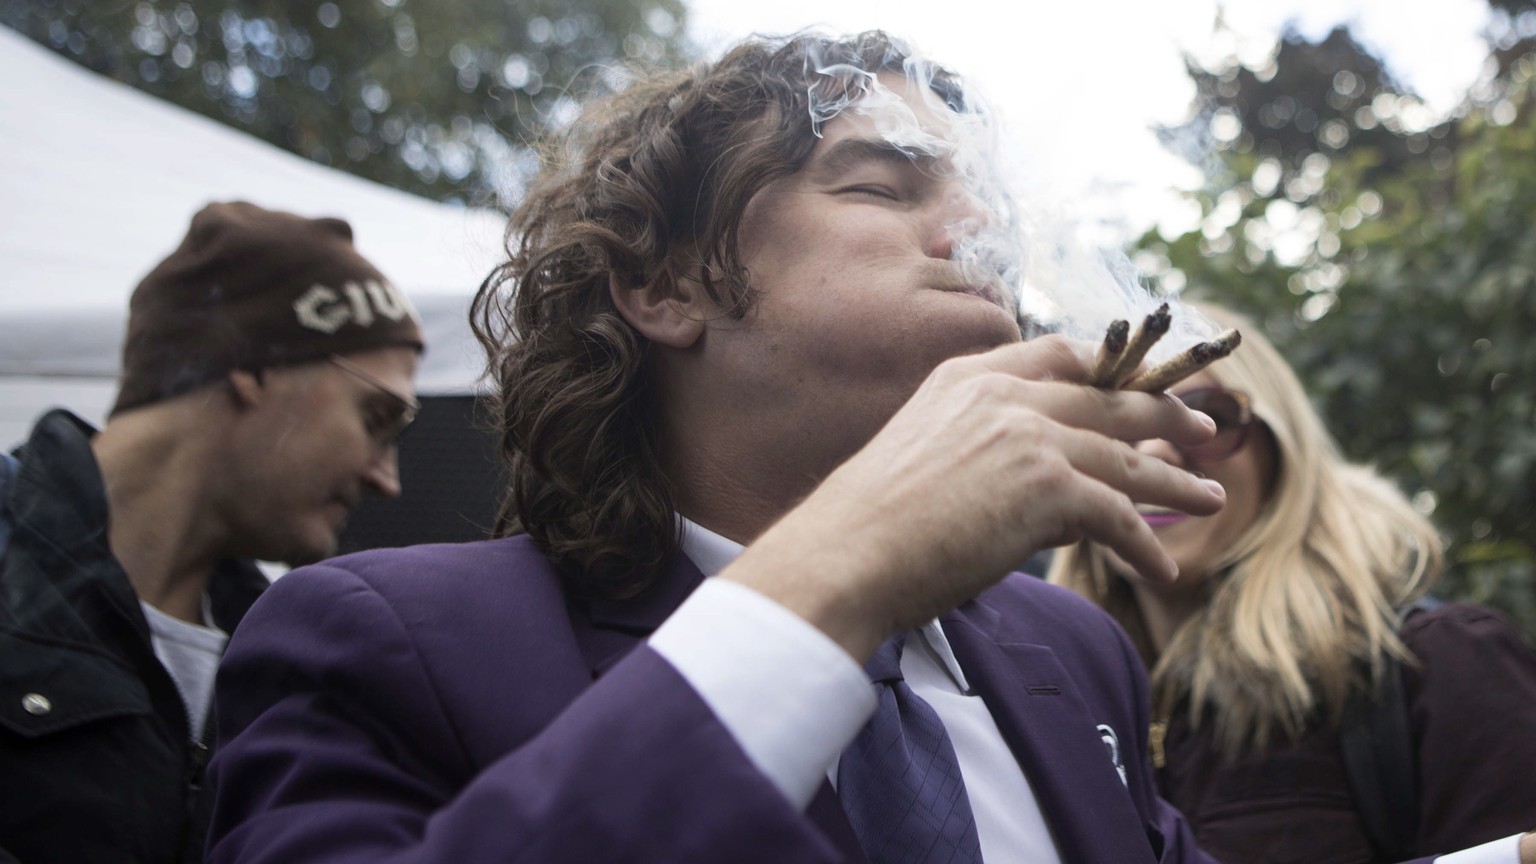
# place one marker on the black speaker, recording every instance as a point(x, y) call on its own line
point(452, 482)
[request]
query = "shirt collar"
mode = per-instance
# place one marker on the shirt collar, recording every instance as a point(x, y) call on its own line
point(708, 551)
point(937, 643)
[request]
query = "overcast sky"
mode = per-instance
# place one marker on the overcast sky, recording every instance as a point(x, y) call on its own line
point(1089, 122)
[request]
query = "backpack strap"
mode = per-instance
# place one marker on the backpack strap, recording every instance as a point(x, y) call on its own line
point(1376, 742)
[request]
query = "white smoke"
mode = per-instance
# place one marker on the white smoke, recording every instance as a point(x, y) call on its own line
point(1030, 241)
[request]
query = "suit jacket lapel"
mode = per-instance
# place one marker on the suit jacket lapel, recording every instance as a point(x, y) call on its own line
point(1054, 736)
point(826, 811)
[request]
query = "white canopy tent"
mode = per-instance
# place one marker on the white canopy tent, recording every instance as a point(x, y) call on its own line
point(100, 182)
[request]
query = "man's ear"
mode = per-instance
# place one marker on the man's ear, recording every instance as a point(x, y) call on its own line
point(669, 309)
point(247, 387)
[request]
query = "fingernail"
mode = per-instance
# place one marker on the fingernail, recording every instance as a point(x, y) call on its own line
point(1213, 486)
point(1205, 420)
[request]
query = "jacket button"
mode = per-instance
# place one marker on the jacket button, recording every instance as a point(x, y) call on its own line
point(36, 704)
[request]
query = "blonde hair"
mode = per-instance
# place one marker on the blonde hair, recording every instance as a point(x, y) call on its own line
point(1306, 610)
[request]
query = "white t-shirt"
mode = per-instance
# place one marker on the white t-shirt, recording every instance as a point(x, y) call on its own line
point(191, 653)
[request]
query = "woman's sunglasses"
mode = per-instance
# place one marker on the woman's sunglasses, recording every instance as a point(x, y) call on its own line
point(1233, 414)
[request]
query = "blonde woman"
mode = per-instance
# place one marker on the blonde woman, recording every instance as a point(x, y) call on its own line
point(1285, 619)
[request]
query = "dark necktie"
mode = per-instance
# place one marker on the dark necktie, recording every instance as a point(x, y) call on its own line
point(899, 781)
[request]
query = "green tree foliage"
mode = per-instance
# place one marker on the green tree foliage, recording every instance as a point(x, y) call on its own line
point(432, 96)
point(1394, 262)
point(1325, 97)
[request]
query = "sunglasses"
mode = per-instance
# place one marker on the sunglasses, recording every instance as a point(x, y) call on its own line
point(1233, 413)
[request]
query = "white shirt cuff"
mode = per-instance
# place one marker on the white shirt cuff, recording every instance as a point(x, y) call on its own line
point(1505, 850)
point(791, 697)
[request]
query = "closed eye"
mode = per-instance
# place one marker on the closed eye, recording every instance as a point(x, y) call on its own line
point(387, 424)
point(379, 426)
point(877, 191)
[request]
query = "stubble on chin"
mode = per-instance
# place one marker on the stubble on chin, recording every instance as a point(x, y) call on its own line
point(311, 553)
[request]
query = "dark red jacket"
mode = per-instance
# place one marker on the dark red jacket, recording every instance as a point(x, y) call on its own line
point(1472, 703)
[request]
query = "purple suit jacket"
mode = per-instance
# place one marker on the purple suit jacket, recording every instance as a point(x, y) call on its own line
point(451, 704)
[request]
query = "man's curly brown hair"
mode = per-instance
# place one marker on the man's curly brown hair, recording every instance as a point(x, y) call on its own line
point(648, 183)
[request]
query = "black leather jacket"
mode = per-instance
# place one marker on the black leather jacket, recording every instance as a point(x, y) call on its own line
point(96, 764)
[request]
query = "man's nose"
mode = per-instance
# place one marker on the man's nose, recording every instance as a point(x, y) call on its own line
point(383, 476)
point(959, 217)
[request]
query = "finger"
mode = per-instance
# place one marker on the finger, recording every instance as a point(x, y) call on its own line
point(1108, 518)
point(1142, 478)
point(1117, 414)
point(1046, 358)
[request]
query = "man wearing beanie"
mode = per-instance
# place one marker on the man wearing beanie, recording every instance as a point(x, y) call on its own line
point(267, 372)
